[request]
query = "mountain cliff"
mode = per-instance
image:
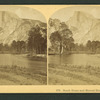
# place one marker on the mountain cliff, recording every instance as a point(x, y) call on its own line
point(14, 28)
point(83, 26)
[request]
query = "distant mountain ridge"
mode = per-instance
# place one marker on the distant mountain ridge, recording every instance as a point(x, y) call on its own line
point(84, 27)
point(14, 28)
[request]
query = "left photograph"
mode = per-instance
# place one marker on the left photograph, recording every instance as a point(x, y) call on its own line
point(23, 46)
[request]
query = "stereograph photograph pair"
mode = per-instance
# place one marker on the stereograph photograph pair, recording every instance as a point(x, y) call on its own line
point(63, 50)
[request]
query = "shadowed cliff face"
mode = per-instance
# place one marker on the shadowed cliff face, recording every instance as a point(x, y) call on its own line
point(83, 26)
point(14, 28)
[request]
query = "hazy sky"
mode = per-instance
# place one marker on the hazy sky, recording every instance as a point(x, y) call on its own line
point(65, 13)
point(24, 12)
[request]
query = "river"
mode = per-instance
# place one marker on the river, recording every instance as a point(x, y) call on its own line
point(75, 59)
point(22, 61)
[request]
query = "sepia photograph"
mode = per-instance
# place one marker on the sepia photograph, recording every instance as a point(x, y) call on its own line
point(23, 46)
point(74, 46)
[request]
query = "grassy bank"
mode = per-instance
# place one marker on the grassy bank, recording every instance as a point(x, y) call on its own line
point(73, 75)
point(15, 75)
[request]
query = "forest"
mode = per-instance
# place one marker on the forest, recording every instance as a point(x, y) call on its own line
point(35, 44)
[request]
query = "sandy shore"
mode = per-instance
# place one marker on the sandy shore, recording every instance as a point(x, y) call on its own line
point(14, 75)
point(73, 75)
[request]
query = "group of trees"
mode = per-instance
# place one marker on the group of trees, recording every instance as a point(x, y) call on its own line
point(4, 47)
point(35, 44)
point(93, 46)
point(37, 41)
point(62, 42)
point(18, 47)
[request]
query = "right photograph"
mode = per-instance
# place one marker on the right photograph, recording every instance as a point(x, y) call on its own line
point(74, 46)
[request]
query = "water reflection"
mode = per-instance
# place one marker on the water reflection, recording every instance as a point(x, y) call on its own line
point(76, 59)
point(22, 61)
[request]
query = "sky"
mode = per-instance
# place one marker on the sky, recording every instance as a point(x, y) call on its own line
point(65, 13)
point(24, 12)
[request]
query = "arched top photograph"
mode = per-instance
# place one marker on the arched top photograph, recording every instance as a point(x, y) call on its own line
point(74, 46)
point(23, 46)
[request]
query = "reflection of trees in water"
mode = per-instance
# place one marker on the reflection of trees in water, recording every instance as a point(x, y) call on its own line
point(60, 59)
point(76, 59)
point(21, 61)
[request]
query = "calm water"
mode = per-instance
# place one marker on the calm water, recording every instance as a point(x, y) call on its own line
point(22, 61)
point(76, 59)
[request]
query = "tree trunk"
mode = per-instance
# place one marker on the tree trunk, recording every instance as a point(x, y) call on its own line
point(61, 48)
